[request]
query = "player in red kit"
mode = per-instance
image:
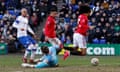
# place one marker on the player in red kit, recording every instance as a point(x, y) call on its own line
point(80, 33)
point(79, 36)
point(49, 30)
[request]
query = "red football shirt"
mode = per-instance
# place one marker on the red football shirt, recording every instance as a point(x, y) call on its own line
point(49, 29)
point(82, 26)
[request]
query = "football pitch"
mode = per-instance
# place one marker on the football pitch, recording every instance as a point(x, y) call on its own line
point(12, 63)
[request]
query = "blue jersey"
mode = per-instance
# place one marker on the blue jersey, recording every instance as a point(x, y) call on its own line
point(51, 59)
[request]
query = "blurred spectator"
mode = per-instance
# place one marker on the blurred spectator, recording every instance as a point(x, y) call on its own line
point(34, 20)
point(10, 9)
point(43, 9)
point(59, 31)
point(7, 16)
point(2, 7)
point(105, 17)
point(11, 4)
point(105, 4)
point(96, 7)
point(63, 38)
point(68, 40)
point(67, 18)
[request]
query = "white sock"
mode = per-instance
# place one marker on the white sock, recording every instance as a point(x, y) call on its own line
point(33, 51)
point(26, 54)
point(32, 55)
point(28, 50)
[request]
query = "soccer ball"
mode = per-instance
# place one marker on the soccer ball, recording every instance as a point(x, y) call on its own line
point(94, 61)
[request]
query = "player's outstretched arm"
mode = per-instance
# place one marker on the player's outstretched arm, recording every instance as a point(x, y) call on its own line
point(30, 30)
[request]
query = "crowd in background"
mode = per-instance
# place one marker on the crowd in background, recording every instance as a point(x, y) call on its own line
point(10, 9)
point(105, 18)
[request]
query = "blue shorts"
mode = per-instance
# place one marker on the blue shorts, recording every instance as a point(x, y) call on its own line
point(26, 40)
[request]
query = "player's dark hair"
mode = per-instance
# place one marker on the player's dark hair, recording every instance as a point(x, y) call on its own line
point(45, 49)
point(53, 9)
point(84, 9)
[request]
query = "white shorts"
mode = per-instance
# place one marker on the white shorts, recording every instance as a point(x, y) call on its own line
point(54, 41)
point(79, 40)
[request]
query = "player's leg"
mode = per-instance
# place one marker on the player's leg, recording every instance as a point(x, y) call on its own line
point(33, 48)
point(83, 45)
point(32, 56)
point(81, 42)
point(54, 62)
point(24, 59)
point(75, 43)
point(56, 43)
point(26, 65)
point(72, 50)
point(23, 41)
point(53, 42)
point(76, 40)
point(41, 65)
point(75, 50)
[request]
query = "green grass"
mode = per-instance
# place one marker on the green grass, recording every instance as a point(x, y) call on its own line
point(12, 63)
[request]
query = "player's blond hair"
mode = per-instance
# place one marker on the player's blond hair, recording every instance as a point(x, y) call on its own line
point(23, 9)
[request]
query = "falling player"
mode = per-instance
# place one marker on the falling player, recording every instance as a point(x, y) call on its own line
point(80, 33)
point(49, 58)
point(21, 24)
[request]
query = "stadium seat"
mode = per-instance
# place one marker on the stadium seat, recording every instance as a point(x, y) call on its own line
point(95, 41)
point(1, 16)
point(12, 12)
point(102, 41)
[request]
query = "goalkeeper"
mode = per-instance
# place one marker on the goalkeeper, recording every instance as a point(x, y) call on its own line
point(49, 59)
